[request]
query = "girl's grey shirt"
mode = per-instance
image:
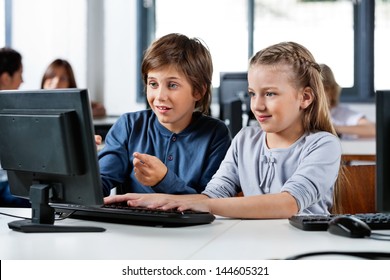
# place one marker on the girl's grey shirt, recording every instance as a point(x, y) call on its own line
point(307, 170)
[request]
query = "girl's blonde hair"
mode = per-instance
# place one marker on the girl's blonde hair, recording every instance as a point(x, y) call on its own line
point(305, 72)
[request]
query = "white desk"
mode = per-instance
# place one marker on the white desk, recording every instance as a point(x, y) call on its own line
point(224, 239)
point(360, 147)
point(107, 120)
point(103, 125)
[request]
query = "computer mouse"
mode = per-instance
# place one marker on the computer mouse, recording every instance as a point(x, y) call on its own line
point(349, 226)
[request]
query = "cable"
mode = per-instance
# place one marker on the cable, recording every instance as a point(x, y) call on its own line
point(379, 236)
point(14, 216)
point(63, 216)
point(362, 255)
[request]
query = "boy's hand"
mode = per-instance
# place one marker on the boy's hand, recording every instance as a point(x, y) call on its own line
point(149, 170)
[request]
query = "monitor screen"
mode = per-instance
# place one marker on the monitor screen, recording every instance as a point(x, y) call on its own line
point(383, 151)
point(47, 147)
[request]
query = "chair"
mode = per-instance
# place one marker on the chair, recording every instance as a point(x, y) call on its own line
point(357, 193)
point(357, 159)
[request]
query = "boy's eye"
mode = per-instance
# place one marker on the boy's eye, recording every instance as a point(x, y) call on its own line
point(269, 93)
point(153, 84)
point(172, 85)
point(251, 94)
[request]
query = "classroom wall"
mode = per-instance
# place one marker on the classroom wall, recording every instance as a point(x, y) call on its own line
point(120, 57)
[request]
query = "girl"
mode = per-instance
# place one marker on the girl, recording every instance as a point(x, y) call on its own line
point(173, 147)
point(349, 124)
point(286, 166)
point(59, 74)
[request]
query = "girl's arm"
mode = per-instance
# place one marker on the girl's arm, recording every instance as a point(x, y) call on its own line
point(364, 129)
point(269, 206)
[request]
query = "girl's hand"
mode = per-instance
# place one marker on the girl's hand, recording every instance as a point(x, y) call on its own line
point(201, 205)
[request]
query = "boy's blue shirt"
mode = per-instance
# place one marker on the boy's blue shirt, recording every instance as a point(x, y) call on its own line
point(8, 200)
point(191, 156)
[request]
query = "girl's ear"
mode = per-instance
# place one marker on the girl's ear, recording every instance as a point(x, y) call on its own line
point(307, 97)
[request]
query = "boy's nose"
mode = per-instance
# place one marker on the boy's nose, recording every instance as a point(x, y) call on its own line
point(161, 94)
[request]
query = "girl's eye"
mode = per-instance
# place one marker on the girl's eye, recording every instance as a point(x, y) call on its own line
point(269, 94)
point(251, 94)
point(63, 79)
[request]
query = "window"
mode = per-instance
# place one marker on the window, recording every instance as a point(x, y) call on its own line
point(382, 44)
point(43, 30)
point(97, 37)
point(337, 32)
point(221, 24)
point(2, 23)
point(324, 27)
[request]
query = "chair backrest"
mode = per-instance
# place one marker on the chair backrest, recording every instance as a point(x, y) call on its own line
point(357, 193)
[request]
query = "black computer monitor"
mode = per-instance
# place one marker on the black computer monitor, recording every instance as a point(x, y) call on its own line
point(232, 95)
point(383, 151)
point(47, 147)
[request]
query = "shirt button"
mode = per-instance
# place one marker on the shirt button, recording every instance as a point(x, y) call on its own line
point(174, 138)
point(170, 157)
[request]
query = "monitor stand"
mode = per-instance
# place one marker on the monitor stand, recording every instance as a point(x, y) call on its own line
point(43, 215)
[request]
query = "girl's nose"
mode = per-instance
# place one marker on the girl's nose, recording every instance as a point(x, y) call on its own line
point(258, 104)
point(55, 81)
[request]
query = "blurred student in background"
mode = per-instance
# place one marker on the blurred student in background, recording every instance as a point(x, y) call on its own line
point(11, 70)
point(59, 74)
point(348, 123)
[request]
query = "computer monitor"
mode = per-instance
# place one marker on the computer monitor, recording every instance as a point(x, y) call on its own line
point(47, 147)
point(383, 151)
point(234, 100)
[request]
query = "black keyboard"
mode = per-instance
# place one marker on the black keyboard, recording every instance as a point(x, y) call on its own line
point(320, 222)
point(123, 214)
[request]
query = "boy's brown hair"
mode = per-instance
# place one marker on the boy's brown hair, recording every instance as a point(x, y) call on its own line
point(190, 57)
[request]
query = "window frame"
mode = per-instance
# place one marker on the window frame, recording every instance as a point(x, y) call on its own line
point(363, 90)
point(363, 16)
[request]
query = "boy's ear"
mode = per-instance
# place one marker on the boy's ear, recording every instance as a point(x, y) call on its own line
point(198, 95)
point(307, 97)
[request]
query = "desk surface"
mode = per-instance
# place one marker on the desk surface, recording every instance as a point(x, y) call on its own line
point(224, 239)
point(107, 120)
point(359, 146)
